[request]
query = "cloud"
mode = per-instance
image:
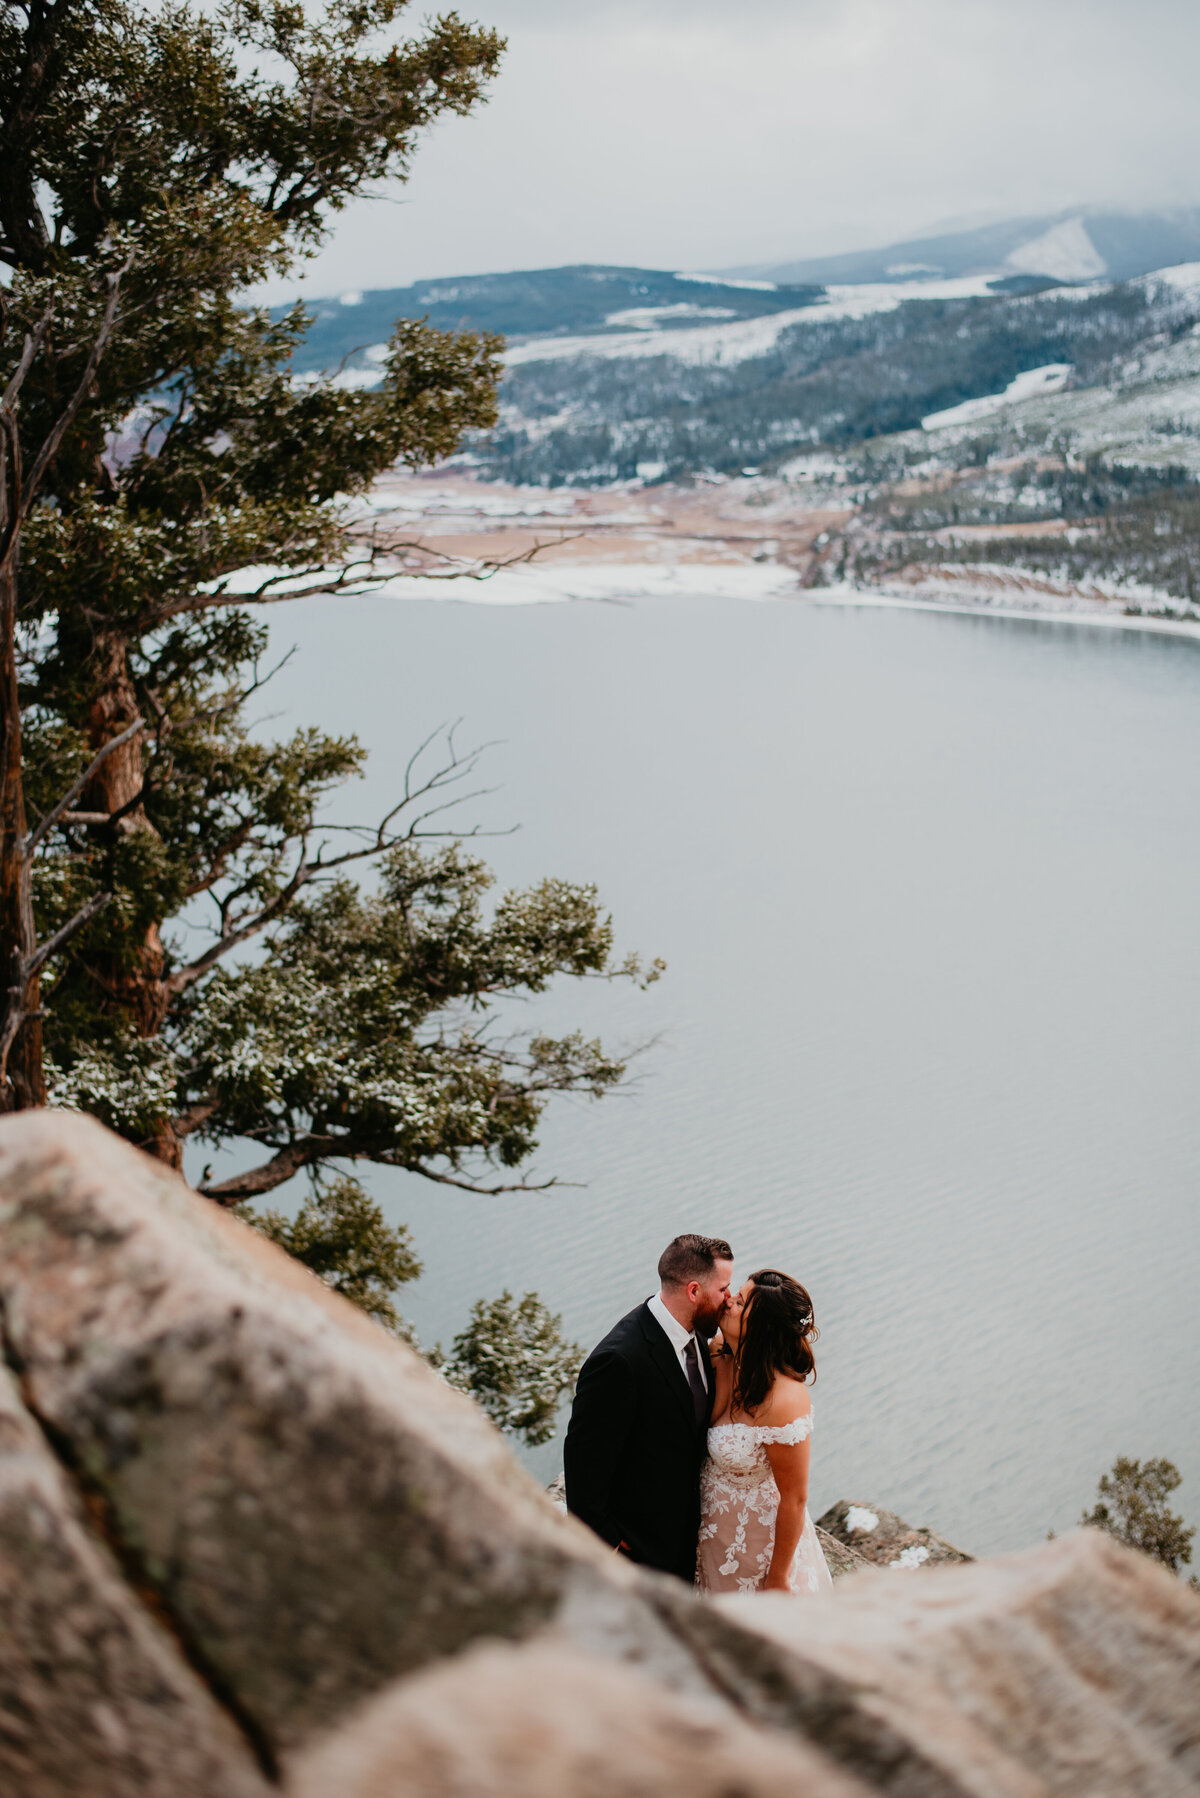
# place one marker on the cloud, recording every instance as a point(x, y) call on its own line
point(689, 133)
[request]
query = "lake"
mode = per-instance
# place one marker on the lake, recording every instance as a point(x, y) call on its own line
point(928, 888)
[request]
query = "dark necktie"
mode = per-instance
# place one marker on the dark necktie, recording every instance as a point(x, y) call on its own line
point(699, 1395)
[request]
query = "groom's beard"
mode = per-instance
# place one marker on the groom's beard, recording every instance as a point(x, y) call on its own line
point(707, 1325)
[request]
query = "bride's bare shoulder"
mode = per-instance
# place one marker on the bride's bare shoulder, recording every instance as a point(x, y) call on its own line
point(788, 1399)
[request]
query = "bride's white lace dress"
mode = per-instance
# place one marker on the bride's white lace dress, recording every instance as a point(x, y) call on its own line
point(738, 1503)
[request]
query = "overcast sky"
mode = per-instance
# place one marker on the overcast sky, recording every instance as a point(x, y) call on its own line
point(699, 134)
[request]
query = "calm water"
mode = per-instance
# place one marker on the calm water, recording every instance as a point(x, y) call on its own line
point(929, 891)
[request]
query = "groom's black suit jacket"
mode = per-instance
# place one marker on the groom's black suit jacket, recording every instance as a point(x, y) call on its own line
point(633, 1449)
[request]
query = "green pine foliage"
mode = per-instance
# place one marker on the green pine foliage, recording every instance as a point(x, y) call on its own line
point(1132, 1506)
point(512, 1358)
point(341, 1234)
point(227, 984)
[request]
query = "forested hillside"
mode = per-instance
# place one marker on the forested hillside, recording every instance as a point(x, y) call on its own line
point(836, 382)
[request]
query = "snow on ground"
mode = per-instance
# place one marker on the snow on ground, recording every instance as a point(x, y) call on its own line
point(1017, 594)
point(731, 281)
point(531, 585)
point(409, 503)
point(1185, 276)
point(1033, 384)
point(614, 582)
point(649, 318)
point(737, 342)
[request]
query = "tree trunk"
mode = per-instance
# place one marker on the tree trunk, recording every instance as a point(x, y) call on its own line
point(133, 978)
point(23, 1083)
point(134, 983)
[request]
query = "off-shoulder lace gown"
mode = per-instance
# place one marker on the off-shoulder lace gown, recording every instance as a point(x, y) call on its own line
point(738, 1503)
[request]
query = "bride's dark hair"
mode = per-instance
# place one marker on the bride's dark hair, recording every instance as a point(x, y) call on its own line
point(778, 1330)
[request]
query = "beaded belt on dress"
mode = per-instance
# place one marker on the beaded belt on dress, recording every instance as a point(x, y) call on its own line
point(741, 1479)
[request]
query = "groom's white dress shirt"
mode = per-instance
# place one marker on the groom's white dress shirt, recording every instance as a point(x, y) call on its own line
point(679, 1338)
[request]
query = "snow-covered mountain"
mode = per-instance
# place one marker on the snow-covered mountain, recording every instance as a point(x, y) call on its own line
point(1081, 244)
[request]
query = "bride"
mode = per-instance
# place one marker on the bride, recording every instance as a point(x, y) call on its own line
point(755, 1531)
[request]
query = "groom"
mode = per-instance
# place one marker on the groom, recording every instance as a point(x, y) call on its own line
point(638, 1425)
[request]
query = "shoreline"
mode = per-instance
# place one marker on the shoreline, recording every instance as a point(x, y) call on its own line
point(628, 583)
point(860, 596)
point(450, 537)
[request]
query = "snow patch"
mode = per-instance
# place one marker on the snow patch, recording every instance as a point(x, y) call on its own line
point(729, 281)
point(351, 298)
point(737, 342)
point(1035, 383)
point(554, 583)
point(1065, 253)
point(1185, 277)
point(916, 1556)
point(649, 318)
point(859, 1518)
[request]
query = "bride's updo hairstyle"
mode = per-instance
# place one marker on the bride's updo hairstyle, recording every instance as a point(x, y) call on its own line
point(778, 1331)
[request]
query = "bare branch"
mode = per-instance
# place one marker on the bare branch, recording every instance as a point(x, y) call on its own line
point(354, 578)
point(36, 837)
point(182, 978)
point(486, 1192)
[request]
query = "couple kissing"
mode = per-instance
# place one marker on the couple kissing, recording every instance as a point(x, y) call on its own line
point(690, 1432)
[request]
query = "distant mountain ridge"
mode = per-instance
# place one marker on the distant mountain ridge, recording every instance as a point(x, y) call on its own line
point(1078, 244)
point(586, 297)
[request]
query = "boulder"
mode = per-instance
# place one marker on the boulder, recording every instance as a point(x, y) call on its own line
point(840, 1558)
point(244, 1530)
point(548, 1722)
point(1068, 1671)
point(304, 1502)
point(882, 1539)
point(95, 1699)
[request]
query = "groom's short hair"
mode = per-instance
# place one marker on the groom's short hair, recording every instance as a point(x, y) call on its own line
point(691, 1257)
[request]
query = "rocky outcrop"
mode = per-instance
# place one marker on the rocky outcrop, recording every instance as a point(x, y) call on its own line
point(840, 1558)
point(881, 1539)
point(1070, 1669)
point(301, 1507)
point(546, 1722)
point(95, 1696)
point(249, 1541)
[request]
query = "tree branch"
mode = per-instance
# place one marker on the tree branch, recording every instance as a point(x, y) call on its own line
point(63, 935)
point(59, 428)
point(273, 1173)
point(289, 1160)
point(36, 837)
point(25, 967)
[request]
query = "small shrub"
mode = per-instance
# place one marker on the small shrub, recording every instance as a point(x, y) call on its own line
point(514, 1361)
point(1132, 1506)
point(341, 1234)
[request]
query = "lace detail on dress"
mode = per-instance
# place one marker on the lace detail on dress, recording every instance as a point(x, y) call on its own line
point(796, 1431)
point(739, 1501)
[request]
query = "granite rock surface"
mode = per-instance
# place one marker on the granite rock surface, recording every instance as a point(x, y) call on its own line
point(884, 1540)
point(250, 1542)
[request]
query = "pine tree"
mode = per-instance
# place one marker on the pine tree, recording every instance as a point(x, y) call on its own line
point(162, 474)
